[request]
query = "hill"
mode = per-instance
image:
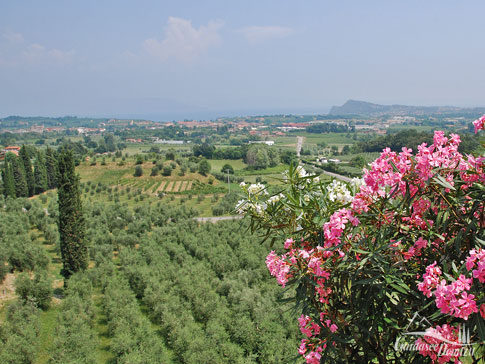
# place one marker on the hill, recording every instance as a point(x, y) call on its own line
point(363, 108)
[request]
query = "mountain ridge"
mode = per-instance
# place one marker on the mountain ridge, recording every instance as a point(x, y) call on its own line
point(364, 108)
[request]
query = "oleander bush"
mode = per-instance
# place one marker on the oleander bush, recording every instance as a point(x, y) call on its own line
point(366, 257)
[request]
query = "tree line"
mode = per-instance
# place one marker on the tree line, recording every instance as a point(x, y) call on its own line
point(22, 178)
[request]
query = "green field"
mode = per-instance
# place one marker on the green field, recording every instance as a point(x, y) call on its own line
point(217, 164)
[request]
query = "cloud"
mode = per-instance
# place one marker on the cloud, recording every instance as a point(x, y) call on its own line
point(17, 51)
point(182, 41)
point(258, 34)
point(38, 53)
point(13, 37)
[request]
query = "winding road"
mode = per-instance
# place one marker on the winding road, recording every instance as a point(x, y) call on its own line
point(217, 218)
point(338, 176)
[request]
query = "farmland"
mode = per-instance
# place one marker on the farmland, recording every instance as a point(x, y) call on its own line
point(160, 284)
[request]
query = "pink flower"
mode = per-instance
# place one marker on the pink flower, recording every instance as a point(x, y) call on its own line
point(476, 258)
point(303, 321)
point(453, 299)
point(302, 348)
point(278, 267)
point(313, 358)
point(421, 243)
point(430, 279)
point(334, 229)
point(434, 341)
point(288, 243)
point(333, 327)
point(479, 124)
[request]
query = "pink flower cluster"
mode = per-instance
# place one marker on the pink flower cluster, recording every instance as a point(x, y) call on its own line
point(472, 170)
point(308, 327)
point(311, 350)
point(388, 171)
point(441, 344)
point(443, 153)
point(415, 250)
point(431, 279)
point(479, 124)
point(278, 267)
point(453, 298)
point(311, 355)
point(383, 175)
point(477, 259)
point(420, 206)
point(333, 229)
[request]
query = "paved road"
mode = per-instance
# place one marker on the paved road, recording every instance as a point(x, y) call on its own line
point(299, 144)
point(217, 218)
point(337, 176)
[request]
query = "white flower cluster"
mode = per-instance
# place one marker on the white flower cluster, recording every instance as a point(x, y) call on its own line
point(256, 189)
point(244, 206)
point(274, 199)
point(338, 192)
point(356, 183)
point(301, 172)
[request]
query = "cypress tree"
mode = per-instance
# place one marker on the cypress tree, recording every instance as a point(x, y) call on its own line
point(8, 181)
point(29, 174)
point(74, 251)
point(21, 187)
point(40, 174)
point(51, 167)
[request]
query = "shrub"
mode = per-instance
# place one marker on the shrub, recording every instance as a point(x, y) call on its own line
point(227, 168)
point(138, 171)
point(37, 291)
point(167, 171)
point(19, 335)
point(367, 256)
point(204, 167)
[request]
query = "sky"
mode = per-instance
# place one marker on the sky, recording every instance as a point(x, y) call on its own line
point(201, 59)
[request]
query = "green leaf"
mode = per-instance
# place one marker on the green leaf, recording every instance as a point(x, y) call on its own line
point(443, 182)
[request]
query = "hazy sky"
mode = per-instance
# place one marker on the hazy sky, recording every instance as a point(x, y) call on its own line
point(171, 58)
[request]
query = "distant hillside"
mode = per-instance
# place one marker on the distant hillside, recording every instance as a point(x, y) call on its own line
point(363, 108)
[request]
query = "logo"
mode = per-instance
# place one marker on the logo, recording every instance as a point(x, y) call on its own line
point(433, 340)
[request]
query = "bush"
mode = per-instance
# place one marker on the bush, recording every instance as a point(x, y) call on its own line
point(227, 168)
point(167, 171)
point(204, 167)
point(409, 240)
point(37, 291)
point(19, 335)
point(138, 171)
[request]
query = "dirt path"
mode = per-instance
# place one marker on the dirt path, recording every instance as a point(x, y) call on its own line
point(217, 218)
point(7, 289)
